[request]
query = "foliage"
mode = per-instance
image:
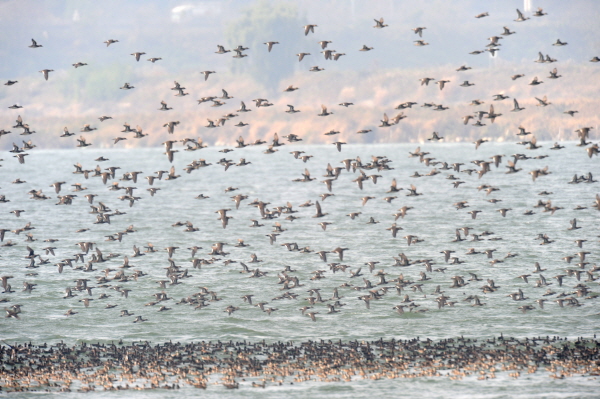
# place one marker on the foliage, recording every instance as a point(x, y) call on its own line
point(263, 22)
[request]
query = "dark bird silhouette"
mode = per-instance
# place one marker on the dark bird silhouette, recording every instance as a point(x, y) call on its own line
point(379, 23)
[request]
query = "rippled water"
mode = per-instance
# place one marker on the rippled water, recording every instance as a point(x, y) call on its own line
point(433, 219)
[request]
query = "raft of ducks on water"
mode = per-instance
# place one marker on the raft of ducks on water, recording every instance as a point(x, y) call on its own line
point(173, 365)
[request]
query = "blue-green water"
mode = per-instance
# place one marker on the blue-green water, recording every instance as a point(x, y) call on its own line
point(269, 178)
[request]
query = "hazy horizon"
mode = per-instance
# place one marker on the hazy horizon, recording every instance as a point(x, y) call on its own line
point(186, 34)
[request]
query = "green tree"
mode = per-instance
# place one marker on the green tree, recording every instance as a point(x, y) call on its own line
point(266, 21)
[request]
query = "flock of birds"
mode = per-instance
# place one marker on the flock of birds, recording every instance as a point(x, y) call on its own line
point(374, 284)
point(174, 365)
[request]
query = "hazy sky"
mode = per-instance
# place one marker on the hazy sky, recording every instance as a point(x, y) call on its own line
point(187, 30)
point(185, 35)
